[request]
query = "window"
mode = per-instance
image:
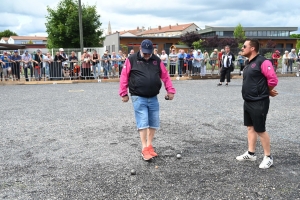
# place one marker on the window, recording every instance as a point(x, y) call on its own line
point(259, 33)
point(108, 48)
point(254, 33)
point(264, 33)
point(113, 48)
point(219, 33)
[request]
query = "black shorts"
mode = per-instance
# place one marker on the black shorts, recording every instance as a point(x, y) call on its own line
point(255, 114)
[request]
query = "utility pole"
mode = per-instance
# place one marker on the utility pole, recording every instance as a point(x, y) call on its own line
point(80, 25)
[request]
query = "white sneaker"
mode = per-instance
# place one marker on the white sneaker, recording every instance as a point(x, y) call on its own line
point(297, 75)
point(266, 163)
point(246, 156)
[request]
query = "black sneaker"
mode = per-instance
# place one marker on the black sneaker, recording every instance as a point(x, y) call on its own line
point(219, 84)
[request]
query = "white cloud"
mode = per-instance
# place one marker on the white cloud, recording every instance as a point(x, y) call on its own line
point(28, 17)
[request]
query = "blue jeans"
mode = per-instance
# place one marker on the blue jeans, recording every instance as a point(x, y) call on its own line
point(105, 69)
point(95, 67)
point(146, 112)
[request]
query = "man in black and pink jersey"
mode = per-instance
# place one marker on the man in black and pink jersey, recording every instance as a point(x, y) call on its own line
point(259, 80)
point(143, 73)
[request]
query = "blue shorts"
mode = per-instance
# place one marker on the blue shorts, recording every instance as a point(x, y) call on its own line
point(146, 112)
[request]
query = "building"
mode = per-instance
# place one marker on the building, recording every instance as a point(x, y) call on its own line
point(280, 35)
point(4, 40)
point(162, 37)
point(31, 43)
point(116, 42)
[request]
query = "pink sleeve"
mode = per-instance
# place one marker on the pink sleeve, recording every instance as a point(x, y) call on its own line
point(124, 78)
point(166, 79)
point(268, 71)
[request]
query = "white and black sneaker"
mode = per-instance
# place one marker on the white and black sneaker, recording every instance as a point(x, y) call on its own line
point(266, 163)
point(246, 156)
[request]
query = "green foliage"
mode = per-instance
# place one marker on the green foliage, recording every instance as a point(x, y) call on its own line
point(7, 33)
point(239, 33)
point(240, 45)
point(63, 26)
point(295, 35)
point(298, 45)
point(268, 55)
point(181, 43)
point(197, 44)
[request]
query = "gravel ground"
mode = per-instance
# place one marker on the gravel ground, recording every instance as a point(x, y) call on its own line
point(79, 141)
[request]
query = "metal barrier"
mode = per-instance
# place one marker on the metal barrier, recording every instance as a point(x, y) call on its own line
point(56, 70)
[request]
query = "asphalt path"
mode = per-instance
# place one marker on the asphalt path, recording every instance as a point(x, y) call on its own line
point(79, 141)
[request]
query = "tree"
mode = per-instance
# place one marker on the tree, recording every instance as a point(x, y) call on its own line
point(295, 35)
point(190, 37)
point(239, 35)
point(197, 44)
point(63, 29)
point(7, 33)
point(298, 45)
point(270, 44)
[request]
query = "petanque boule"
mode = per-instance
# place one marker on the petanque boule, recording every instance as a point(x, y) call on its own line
point(133, 172)
point(178, 156)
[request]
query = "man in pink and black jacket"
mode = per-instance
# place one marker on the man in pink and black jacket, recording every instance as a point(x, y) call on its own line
point(142, 73)
point(259, 81)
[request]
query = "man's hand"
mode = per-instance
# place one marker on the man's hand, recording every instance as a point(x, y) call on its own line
point(125, 98)
point(273, 93)
point(170, 96)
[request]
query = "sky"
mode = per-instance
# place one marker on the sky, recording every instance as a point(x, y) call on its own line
point(27, 18)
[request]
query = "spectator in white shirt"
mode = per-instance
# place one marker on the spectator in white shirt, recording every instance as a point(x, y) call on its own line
point(164, 58)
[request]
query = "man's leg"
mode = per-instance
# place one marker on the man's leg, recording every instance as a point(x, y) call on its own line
point(252, 138)
point(150, 136)
point(265, 142)
point(143, 136)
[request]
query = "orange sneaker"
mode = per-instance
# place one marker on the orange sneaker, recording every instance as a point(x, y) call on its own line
point(146, 154)
point(152, 152)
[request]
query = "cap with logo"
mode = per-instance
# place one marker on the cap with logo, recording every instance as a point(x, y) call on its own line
point(147, 46)
point(15, 51)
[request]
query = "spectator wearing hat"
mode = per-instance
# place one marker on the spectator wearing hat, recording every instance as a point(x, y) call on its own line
point(105, 64)
point(143, 73)
point(285, 62)
point(5, 62)
point(64, 63)
point(86, 65)
point(275, 58)
point(16, 59)
point(292, 58)
point(198, 60)
point(27, 59)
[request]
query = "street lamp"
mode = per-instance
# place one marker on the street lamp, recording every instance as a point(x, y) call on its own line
point(80, 25)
